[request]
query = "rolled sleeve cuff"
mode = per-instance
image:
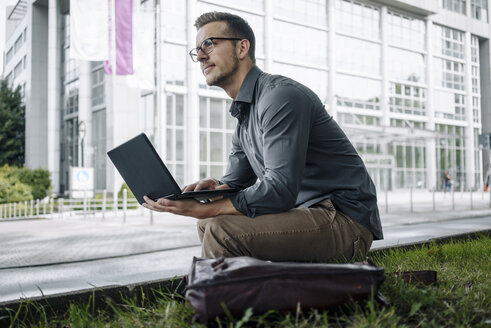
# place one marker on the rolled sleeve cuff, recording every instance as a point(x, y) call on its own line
point(240, 204)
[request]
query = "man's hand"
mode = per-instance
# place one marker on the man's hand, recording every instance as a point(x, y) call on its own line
point(190, 207)
point(204, 184)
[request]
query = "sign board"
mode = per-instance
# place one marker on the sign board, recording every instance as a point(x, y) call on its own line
point(484, 141)
point(81, 182)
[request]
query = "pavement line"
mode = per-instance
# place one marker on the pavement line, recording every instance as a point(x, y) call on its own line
point(98, 258)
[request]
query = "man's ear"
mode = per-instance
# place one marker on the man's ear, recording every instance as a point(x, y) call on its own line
point(243, 49)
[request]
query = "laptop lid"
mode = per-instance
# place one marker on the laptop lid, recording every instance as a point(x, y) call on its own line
point(146, 174)
point(143, 170)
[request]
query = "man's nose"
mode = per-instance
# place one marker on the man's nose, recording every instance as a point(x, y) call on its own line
point(201, 55)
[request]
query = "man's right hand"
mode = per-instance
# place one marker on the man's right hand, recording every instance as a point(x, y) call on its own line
point(205, 184)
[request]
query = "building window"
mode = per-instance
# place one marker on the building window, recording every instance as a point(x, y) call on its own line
point(147, 115)
point(450, 153)
point(449, 42)
point(479, 10)
point(406, 65)
point(9, 55)
point(410, 158)
point(174, 127)
point(407, 99)
point(71, 98)
point(358, 92)
point(98, 88)
point(309, 12)
point(289, 44)
point(18, 43)
point(71, 137)
point(99, 141)
point(358, 19)
point(457, 6)
point(357, 56)
point(175, 63)
point(476, 109)
point(346, 118)
point(406, 31)
point(18, 69)
point(449, 74)
point(216, 129)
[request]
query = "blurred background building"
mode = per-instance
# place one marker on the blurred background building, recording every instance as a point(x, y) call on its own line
point(409, 81)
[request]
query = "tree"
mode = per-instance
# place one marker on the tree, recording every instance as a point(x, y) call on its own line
point(12, 125)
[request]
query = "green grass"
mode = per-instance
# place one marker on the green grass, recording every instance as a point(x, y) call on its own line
point(461, 298)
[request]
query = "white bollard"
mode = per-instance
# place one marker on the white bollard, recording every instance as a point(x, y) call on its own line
point(453, 198)
point(85, 206)
point(25, 208)
point(104, 195)
point(15, 210)
point(411, 198)
point(115, 204)
point(32, 209)
point(37, 207)
point(386, 201)
point(470, 194)
point(433, 198)
point(125, 194)
point(52, 206)
point(44, 209)
point(60, 207)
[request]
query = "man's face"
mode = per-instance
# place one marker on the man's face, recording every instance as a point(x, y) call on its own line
point(220, 65)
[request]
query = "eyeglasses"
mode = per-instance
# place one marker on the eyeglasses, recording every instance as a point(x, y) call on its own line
point(207, 47)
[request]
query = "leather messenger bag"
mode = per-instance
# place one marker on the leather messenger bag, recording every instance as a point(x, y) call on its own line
point(236, 284)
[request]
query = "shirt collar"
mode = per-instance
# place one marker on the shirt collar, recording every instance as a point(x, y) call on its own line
point(246, 91)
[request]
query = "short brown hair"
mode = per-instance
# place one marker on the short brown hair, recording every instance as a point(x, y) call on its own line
point(237, 26)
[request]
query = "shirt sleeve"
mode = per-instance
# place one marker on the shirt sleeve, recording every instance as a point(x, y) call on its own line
point(239, 173)
point(284, 115)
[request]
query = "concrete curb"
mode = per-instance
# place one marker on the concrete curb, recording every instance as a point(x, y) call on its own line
point(100, 297)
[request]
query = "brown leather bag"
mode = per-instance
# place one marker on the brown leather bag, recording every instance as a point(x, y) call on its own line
point(240, 283)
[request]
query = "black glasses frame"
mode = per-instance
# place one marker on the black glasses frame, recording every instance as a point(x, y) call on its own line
point(194, 52)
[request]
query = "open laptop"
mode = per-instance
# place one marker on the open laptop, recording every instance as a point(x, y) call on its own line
point(146, 175)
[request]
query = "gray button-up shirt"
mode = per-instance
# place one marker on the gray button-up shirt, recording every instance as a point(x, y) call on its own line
point(287, 152)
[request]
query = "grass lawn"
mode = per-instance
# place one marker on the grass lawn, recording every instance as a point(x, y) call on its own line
point(461, 298)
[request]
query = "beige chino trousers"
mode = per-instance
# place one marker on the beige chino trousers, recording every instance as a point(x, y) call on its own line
point(319, 233)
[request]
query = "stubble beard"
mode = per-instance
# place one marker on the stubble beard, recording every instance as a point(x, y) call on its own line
point(223, 78)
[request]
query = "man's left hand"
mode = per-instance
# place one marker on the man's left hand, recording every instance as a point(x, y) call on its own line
point(187, 207)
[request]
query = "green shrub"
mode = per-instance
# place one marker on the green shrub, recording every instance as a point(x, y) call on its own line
point(38, 179)
point(129, 194)
point(21, 183)
point(12, 192)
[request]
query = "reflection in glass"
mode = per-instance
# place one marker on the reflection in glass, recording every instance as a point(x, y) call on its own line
point(357, 19)
point(216, 114)
point(354, 55)
point(299, 44)
point(305, 11)
point(216, 150)
point(406, 31)
point(406, 65)
point(352, 91)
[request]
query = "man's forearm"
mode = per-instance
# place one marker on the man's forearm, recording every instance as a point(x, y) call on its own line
point(223, 207)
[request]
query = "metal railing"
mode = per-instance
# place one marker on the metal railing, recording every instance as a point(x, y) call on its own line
point(100, 205)
point(403, 201)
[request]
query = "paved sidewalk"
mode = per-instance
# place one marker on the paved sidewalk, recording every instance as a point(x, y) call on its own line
point(57, 255)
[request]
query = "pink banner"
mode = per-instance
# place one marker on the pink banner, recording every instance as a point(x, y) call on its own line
point(124, 39)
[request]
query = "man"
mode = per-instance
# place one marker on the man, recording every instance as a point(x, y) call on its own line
point(306, 194)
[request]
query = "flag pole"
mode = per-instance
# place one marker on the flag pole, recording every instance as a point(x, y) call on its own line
point(113, 95)
point(158, 113)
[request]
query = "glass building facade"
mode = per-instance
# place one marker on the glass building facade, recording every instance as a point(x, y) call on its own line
point(403, 79)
